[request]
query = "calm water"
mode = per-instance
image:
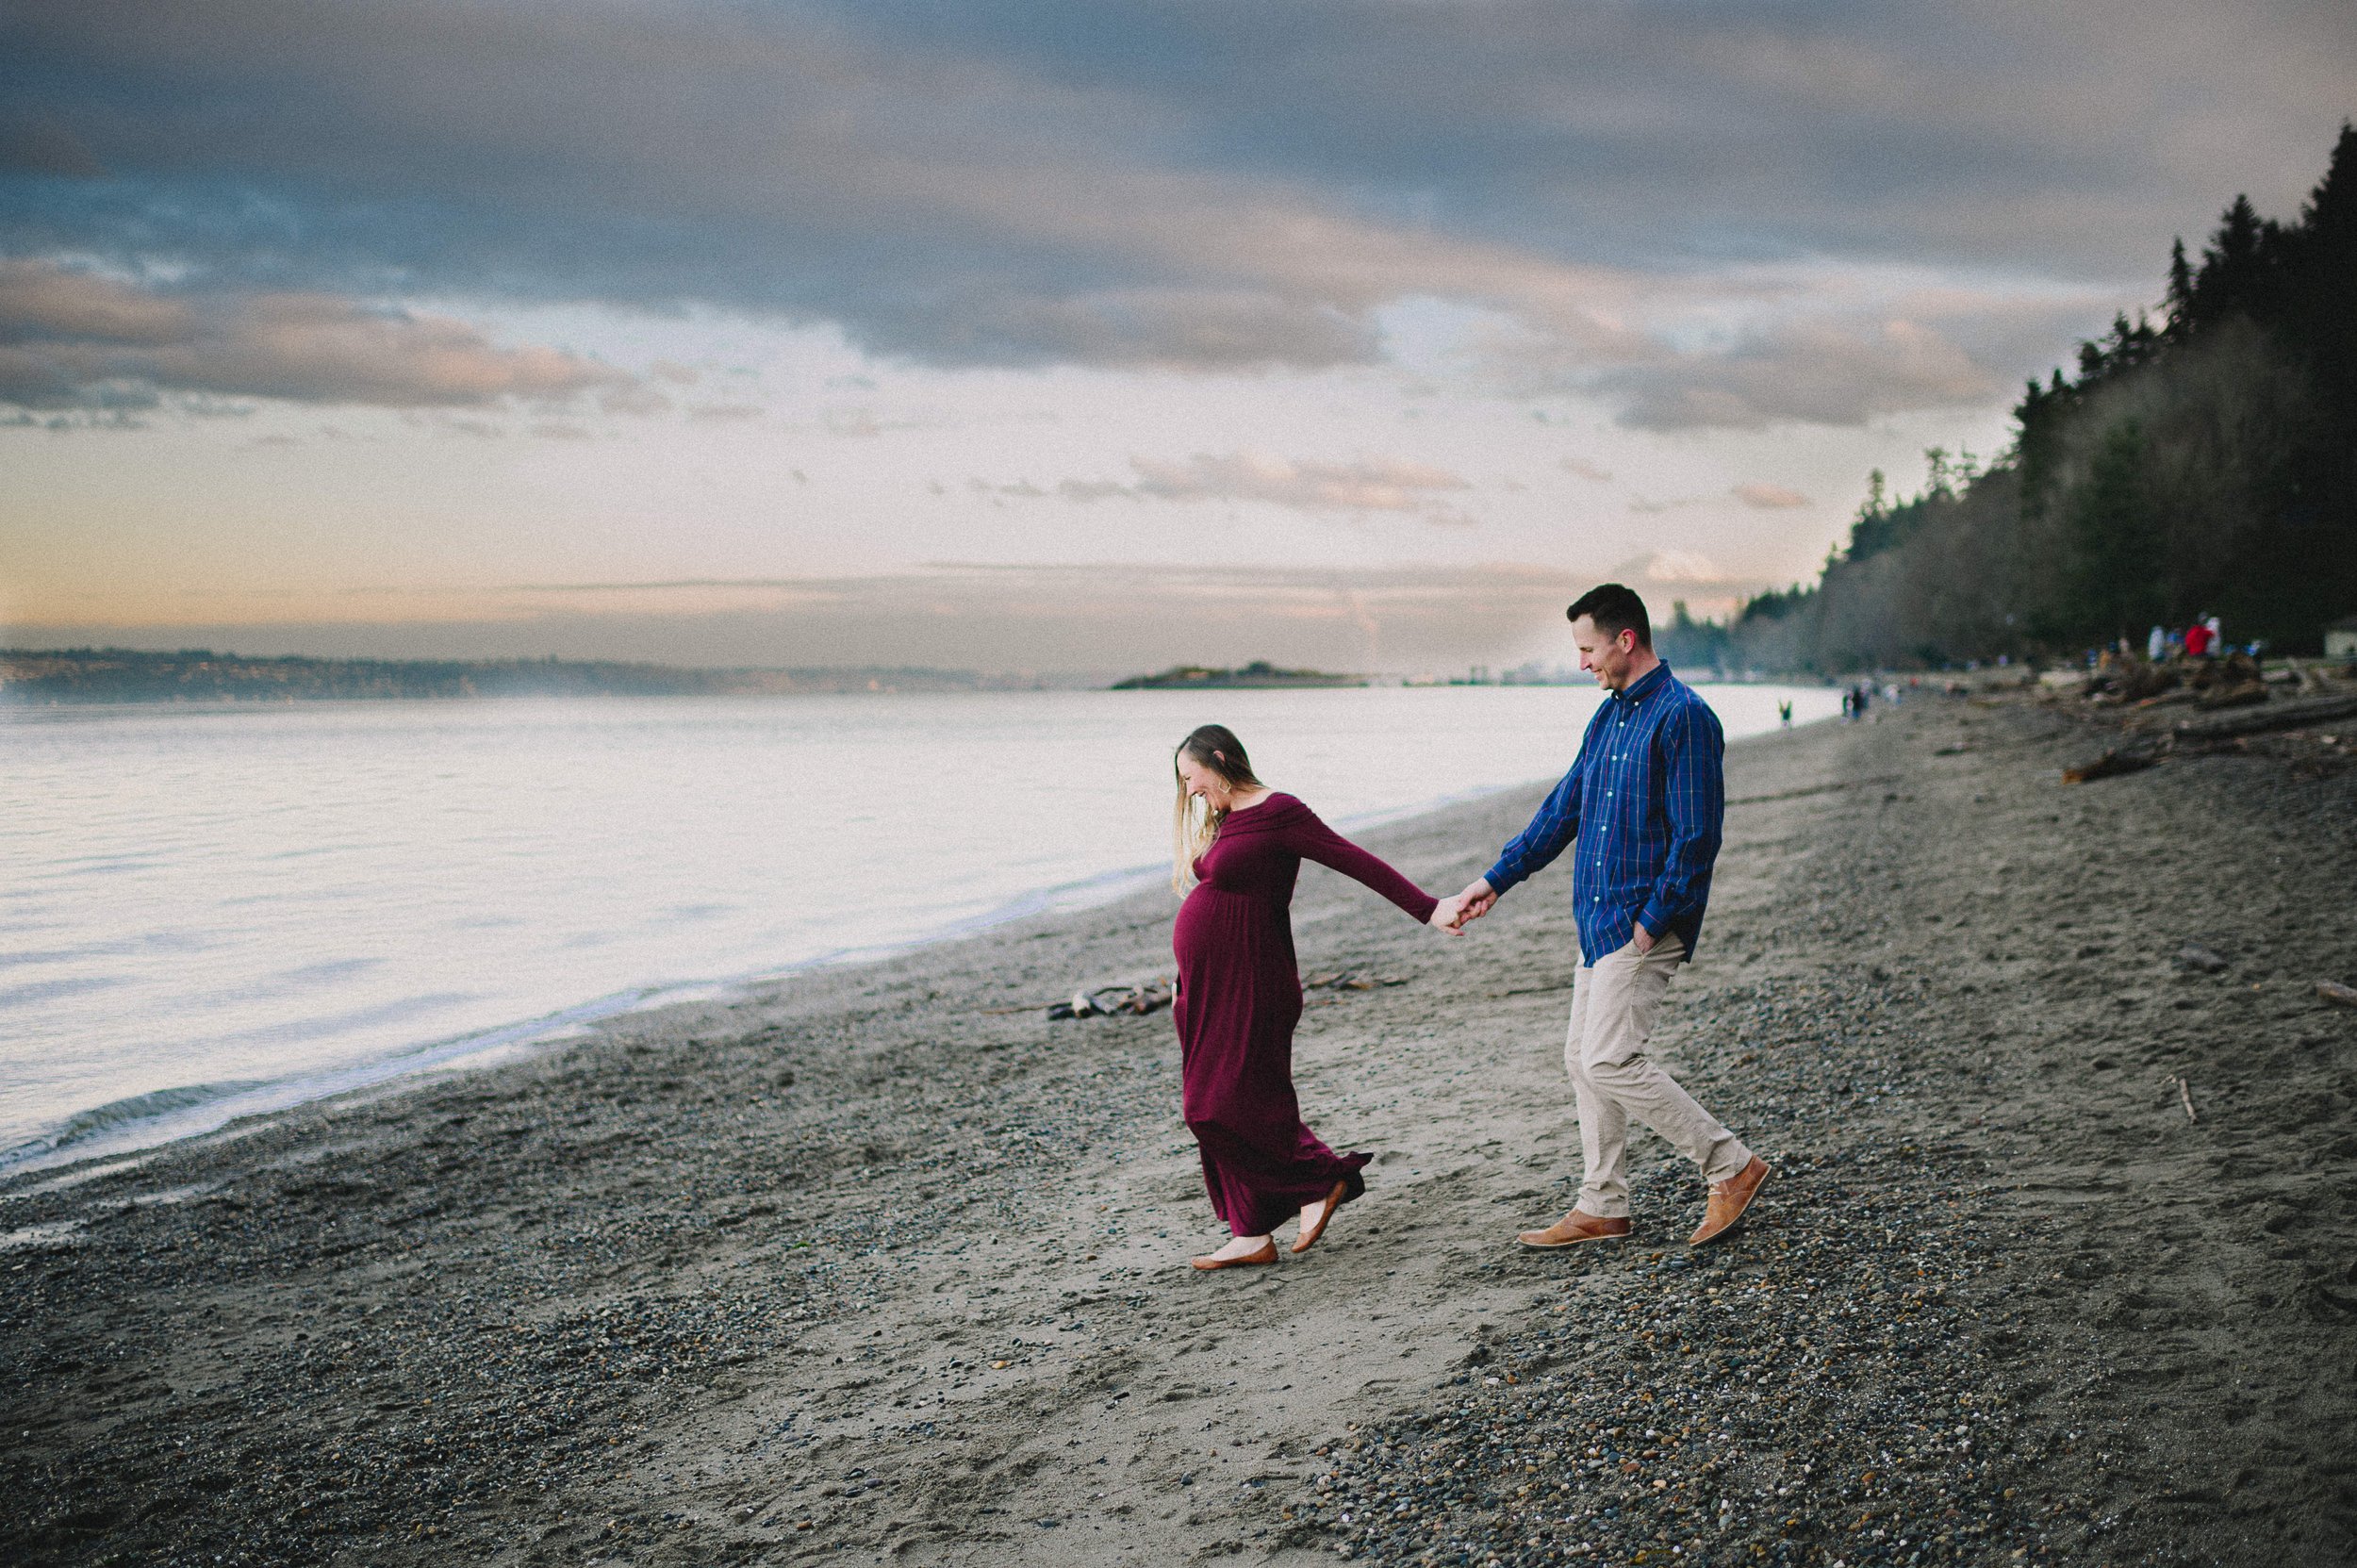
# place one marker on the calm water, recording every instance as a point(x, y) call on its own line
point(207, 912)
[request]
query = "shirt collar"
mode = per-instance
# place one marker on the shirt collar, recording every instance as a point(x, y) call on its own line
point(1644, 684)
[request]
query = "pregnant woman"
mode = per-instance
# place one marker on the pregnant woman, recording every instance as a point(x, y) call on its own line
point(1238, 847)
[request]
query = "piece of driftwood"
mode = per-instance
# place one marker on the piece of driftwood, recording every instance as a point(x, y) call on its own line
point(2109, 766)
point(2248, 694)
point(2333, 990)
point(2298, 674)
point(2184, 1095)
point(1106, 1000)
point(2290, 713)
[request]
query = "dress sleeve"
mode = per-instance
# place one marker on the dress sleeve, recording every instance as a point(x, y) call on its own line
point(1311, 840)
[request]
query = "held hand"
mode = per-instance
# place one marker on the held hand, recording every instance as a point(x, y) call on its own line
point(1448, 917)
point(1475, 900)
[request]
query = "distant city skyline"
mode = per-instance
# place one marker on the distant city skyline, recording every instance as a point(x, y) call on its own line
point(1050, 337)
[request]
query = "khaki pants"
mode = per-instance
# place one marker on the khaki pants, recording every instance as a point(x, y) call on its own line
point(1612, 1007)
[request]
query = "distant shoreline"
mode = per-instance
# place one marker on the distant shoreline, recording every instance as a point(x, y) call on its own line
point(104, 675)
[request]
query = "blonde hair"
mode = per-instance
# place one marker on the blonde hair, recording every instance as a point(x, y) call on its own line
point(1193, 825)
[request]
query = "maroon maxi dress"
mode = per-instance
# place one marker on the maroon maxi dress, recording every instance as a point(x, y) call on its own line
point(1239, 998)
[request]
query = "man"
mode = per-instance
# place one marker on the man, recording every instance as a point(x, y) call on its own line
point(1643, 802)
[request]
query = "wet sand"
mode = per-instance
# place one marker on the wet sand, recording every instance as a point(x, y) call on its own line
point(884, 1265)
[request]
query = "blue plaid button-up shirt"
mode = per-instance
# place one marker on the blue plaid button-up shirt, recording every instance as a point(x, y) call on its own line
point(1644, 802)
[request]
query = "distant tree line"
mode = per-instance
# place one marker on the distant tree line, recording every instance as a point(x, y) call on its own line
point(201, 675)
point(1260, 672)
point(2203, 465)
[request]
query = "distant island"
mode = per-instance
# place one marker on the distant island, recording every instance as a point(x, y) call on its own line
point(200, 675)
point(1259, 673)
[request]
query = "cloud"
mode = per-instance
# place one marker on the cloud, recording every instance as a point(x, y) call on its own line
point(1306, 485)
point(72, 339)
point(1768, 498)
point(1585, 470)
point(1814, 372)
point(1689, 571)
point(1211, 188)
point(40, 303)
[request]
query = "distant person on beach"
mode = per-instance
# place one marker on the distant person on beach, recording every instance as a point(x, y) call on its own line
point(2156, 645)
point(1644, 804)
point(1236, 849)
point(2196, 640)
point(1784, 712)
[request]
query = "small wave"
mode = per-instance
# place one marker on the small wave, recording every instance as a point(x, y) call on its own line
point(166, 1116)
point(115, 1115)
point(155, 1102)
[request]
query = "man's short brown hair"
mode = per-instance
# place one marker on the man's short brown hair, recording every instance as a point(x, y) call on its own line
point(1614, 609)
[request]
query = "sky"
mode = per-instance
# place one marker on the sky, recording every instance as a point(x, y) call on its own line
point(1056, 336)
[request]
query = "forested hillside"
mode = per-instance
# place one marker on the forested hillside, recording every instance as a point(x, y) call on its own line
point(2203, 465)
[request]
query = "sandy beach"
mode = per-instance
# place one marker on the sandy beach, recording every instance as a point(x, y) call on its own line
point(2059, 1263)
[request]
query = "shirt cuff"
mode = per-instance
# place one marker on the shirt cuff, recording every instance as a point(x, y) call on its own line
point(1500, 878)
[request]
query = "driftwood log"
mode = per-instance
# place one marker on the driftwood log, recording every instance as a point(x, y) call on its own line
point(2291, 713)
point(2248, 694)
point(2110, 765)
point(2333, 990)
point(1106, 1000)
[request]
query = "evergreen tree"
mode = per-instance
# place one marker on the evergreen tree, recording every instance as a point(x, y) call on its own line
point(2233, 271)
point(2321, 281)
point(2111, 539)
point(2177, 300)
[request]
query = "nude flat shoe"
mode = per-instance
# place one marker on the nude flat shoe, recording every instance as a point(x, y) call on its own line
point(1309, 1234)
point(1266, 1255)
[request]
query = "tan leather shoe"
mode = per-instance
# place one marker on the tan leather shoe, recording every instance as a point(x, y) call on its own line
point(1576, 1228)
point(1729, 1200)
point(1266, 1255)
point(1309, 1234)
